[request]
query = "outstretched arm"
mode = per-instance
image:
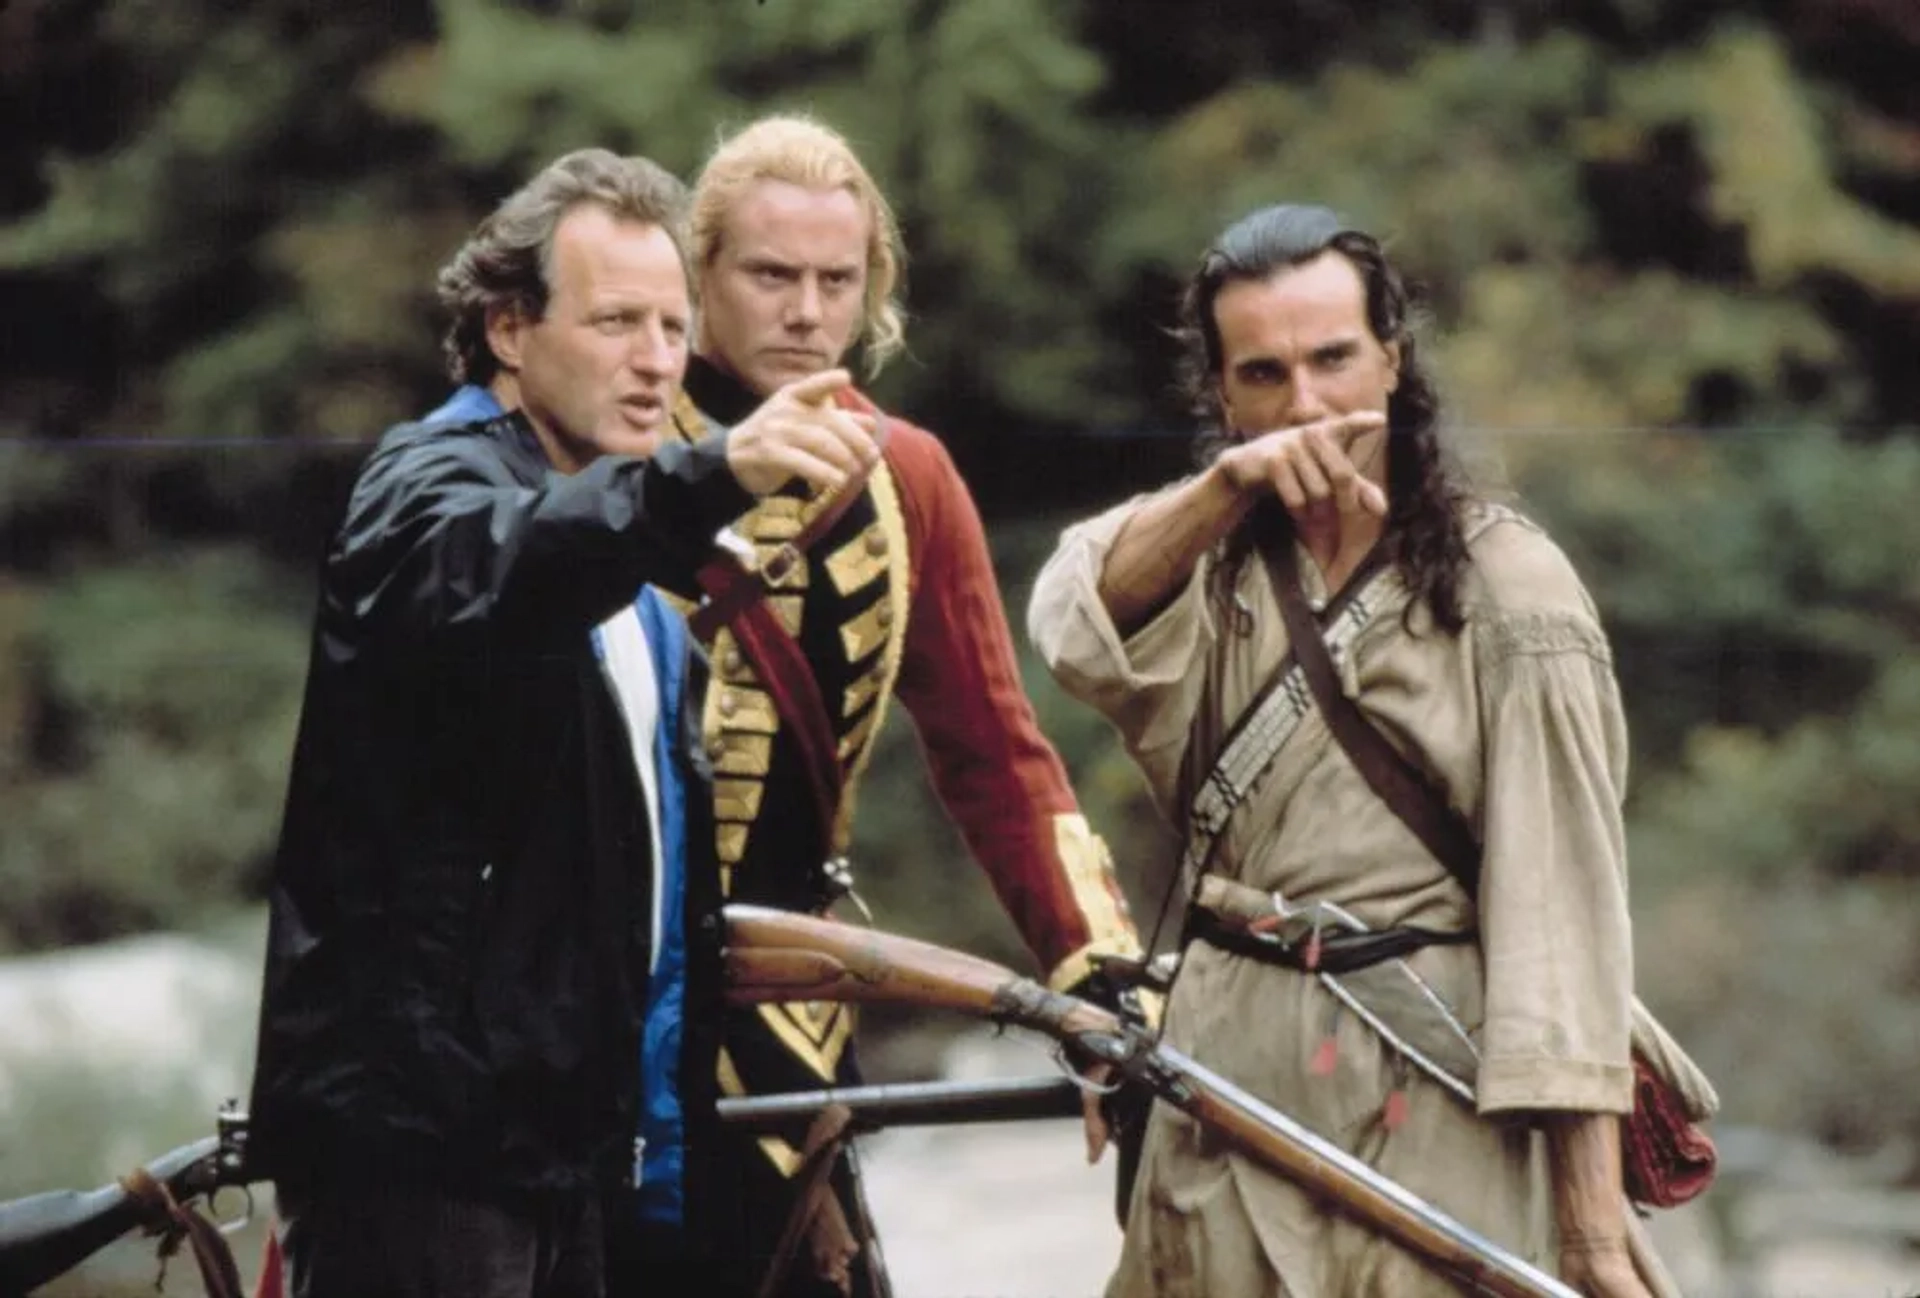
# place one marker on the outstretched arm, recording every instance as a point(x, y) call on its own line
point(1305, 467)
point(1154, 556)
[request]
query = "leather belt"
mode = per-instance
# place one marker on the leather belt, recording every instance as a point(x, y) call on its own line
point(1338, 952)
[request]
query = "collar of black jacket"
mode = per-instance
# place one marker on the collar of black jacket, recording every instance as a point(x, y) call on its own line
point(514, 429)
point(718, 394)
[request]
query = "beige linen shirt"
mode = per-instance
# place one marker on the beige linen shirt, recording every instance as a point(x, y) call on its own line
point(1518, 720)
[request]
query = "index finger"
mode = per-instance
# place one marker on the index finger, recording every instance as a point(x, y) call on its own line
point(1351, 427)
point(816, 388)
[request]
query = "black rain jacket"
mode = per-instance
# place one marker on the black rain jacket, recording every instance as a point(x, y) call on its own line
point(457, 955)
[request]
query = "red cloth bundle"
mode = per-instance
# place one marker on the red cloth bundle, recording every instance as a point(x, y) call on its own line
point(1666, 1158)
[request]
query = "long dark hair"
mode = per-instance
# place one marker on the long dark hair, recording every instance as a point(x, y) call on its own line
point(1426, 485)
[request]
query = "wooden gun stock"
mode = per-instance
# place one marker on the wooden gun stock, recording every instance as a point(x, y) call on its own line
point(777, 956)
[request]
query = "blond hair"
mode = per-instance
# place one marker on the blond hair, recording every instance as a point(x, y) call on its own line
point(804, 152)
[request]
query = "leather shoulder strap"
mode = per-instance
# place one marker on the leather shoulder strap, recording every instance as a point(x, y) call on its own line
point(733, 585)
point(1391, 776)
point(736, 598)
point(788, 677)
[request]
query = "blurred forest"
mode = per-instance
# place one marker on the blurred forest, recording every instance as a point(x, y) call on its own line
point(1670, 249)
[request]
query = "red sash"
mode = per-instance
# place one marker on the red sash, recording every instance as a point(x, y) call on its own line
point(736, 598)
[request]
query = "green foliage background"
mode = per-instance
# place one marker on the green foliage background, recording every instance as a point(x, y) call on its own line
point(1671, 252)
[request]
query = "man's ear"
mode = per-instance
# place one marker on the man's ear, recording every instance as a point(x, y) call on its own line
point(506, 324)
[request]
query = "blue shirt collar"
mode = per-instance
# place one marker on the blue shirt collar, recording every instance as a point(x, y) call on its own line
point(468, 405)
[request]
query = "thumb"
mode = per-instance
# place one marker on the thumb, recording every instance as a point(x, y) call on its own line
point(1095, 1124)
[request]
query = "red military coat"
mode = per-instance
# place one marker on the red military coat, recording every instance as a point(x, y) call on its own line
point(897, 601)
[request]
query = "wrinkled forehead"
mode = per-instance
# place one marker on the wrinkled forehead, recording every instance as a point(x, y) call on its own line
point(798, 225)
point(594, 251)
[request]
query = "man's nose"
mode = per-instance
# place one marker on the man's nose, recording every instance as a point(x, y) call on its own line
point(1305, 403)
point(803, 306)
point(653, 353)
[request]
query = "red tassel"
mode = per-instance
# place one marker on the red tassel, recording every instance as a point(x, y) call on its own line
point(1324, 1056)
point(272, 1282)
point(1395, 1113)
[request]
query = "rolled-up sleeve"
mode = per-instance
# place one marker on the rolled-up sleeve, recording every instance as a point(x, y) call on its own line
point(1146, 684)
point(1553, 889)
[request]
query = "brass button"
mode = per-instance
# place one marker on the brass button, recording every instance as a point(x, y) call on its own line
point(729, 703)
point(876, 543)
point(732, 663)
point(884, 615)
point(716, 748)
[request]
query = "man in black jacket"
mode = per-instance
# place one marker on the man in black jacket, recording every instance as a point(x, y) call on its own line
point(463, 903)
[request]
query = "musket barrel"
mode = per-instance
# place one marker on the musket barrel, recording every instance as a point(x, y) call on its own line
point(907, 1104)
point(1318, 1164)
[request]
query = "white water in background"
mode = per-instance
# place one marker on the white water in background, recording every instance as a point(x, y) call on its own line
point(114, 1053)
point(162, 1001)
point(1000, 1210)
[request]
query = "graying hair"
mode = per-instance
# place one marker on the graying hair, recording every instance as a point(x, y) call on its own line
point(507, 260)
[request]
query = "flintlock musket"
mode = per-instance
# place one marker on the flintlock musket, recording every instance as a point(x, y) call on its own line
point(774, 955)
